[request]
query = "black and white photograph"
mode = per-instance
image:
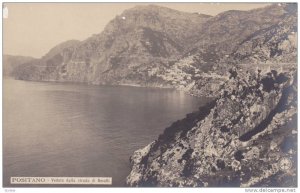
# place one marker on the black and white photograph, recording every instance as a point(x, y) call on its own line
point(150, 94)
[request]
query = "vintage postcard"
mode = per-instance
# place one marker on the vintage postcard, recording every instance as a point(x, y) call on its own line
point(150, 95)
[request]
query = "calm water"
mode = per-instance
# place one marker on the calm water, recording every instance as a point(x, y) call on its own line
point(55, 129)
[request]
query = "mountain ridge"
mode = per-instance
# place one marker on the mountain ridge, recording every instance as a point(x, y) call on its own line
point(140, 45)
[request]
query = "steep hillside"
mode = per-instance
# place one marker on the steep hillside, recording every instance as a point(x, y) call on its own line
point(157, 46)
point(11, 62)
point(226, 30)
point(38, 69)
point(134, 42)
point(277, 43)
point(60, 48)
point(246, 137)
point(274, 44)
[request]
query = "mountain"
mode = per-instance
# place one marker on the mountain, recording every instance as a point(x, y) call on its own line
point(245, 60)
point(37, 69)
point(273, 41)
point(60, 48)
point(11, 62)
point(157, 46)
point(137, 40)
point(226, 30)
point(274, 44)
point(246, 137)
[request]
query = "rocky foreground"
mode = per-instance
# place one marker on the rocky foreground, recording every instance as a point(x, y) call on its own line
point(247, 137)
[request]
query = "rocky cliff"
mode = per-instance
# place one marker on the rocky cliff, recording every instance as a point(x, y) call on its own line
point(161, 47)
point(246, 60)
point(246, 137)
point(130, 46)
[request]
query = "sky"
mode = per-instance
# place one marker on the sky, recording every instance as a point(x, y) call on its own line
point(32, 29)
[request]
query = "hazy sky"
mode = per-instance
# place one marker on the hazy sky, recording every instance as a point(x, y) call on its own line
point(32, 29)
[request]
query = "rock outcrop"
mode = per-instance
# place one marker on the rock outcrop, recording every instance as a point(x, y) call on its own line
point(246, 137)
